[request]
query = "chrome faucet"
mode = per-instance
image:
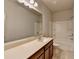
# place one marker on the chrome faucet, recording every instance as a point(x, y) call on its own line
point(39, 36)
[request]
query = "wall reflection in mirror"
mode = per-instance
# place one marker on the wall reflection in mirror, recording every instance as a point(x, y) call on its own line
point(20, 22)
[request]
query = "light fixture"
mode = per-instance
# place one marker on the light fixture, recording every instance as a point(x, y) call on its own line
point(30, 4)
point(35, 4)
point(21, 1)
point(26, 4)
point(32, 1)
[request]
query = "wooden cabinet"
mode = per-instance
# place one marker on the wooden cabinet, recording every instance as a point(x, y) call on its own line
point(38, 55)
point(47, 54)
point(44, 53)
point(49, 50)
point(41, 56)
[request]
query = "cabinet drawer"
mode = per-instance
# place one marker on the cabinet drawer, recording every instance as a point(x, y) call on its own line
point(37, 54)
point(49, 44)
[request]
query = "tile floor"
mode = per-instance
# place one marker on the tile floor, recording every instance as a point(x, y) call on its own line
point(62, 54)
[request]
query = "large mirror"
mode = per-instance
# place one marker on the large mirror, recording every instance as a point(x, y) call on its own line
point(20, 22)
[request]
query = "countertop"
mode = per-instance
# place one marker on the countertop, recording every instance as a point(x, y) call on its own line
point(25, 50)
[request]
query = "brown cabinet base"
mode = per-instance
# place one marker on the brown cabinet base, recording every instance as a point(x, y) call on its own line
point(44, 53)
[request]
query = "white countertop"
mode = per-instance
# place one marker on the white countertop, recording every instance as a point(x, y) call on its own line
point(25, 50)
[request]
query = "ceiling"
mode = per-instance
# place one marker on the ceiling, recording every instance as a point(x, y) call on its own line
point(58, 5)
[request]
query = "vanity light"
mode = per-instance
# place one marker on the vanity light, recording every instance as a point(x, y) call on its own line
point(21, 1)
point(30, 4)
point(35, 4)
point(32, 1)
point(26, 4)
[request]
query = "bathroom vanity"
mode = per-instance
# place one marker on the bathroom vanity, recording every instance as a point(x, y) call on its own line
point(34, 49)
point(46, 52)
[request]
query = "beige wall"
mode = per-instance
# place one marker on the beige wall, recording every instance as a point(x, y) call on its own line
point(46, 17)
point(19, 21)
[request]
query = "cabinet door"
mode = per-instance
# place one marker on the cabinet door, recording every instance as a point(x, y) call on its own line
point(47, 54)
point(41, 57)
point(38, 55)
point(51, 51)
